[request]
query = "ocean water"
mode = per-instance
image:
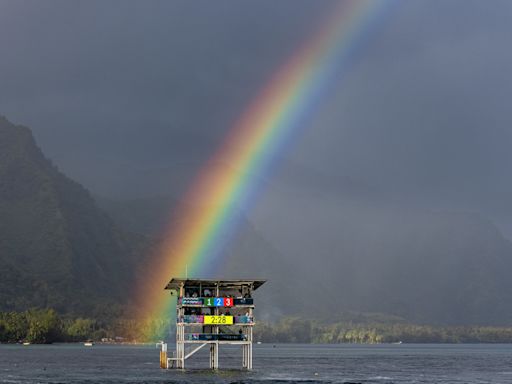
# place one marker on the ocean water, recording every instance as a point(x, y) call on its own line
point(280, 363)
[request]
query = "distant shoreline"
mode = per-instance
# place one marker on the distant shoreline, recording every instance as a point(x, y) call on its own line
point(274, 345)
point(46, 326)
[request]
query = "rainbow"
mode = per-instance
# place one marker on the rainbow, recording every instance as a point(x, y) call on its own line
point(229, 182)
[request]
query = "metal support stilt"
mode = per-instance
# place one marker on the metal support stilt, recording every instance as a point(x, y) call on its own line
point(214, 356)
point(249, 360)
point(243, 356)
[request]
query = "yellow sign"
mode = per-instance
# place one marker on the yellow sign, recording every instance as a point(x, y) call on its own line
point(221, 320)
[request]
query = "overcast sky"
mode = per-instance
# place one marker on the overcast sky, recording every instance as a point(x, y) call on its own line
point(125, 96)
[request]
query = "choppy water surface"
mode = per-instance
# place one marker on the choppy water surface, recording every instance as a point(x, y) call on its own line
point(280, 363)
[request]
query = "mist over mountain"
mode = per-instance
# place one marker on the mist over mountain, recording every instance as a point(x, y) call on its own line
point(354, 249)
point(373, 256)
point(57, 248)
point(349, 249)
point(247, 255)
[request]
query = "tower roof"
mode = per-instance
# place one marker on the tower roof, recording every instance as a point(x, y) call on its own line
point(176, 282)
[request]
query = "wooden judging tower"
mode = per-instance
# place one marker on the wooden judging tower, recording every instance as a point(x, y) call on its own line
point(212, 312)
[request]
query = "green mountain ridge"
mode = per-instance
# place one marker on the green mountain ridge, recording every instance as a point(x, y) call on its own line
point(57, 248)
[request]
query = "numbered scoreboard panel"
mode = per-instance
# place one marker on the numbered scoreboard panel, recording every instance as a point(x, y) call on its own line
point(218, 301)
point(215, 301)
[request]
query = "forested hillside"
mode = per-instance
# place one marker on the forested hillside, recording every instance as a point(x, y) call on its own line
point(57, 248)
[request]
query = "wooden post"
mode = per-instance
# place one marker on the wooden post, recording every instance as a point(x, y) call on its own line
point(163, 356)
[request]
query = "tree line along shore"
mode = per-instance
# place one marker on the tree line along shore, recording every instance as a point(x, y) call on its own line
point(42, 326)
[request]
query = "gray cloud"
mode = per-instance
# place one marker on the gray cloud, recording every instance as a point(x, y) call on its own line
point(142, 83)
point(134, 96)
point(424, 115)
